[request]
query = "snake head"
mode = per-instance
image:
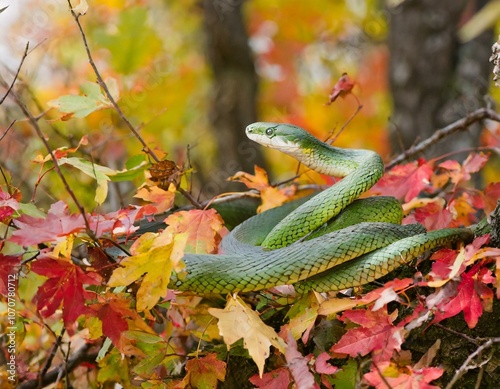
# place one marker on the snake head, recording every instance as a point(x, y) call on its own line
point(287, 138)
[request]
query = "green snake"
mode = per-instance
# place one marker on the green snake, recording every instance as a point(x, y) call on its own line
point(328, 242)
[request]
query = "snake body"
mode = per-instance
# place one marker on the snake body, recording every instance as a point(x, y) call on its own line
point(332, 241)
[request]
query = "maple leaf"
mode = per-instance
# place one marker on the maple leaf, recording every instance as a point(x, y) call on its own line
point(58, 223)
point(151, 261)
point(8, 273)
point(276, 379)
point(297, 363)
point(204, 229)
point(163, 200)
point(432, 215)
point(271, 196)
point(116, 317)
point(387, 373)
point(466, 300)
point(205, 372)
point(303, 315)
point(406, 181)
point(342, 88)
point(335, 305)
point(8, 205)
point(491, 196)
point(238, 321)
point(456, 173)
point(322, 366)
point(376, 334)
point(65, 287)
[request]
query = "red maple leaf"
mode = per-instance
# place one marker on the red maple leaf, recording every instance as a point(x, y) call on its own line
point(58, 223)
point(432, 216)
point(406, 181)
point(467, 299)
point(276, 379)
point(65, 287)
point(376, 334)
point(8, 273)
point(407, 378)
point(342, 88)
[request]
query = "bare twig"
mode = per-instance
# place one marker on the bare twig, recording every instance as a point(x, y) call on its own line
point(7, 130)
point(104, 87)
point(80, 356)
point(49, 360)
point(468, 365)
point(38, 130)
point(459, 125)
point(335, 136)
point(25, 54)
point(466, 337)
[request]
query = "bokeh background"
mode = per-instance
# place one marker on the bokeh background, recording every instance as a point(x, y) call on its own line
point(192, 74)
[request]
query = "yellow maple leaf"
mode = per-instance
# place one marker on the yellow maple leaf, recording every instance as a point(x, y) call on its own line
point(153, 262)
point(163, 200)
point(271, 196)
point(237, 321)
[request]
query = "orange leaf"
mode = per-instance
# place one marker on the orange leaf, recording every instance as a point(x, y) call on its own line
point(204, 229)
point(271, 196)
point(205, 372)
point(163, 200)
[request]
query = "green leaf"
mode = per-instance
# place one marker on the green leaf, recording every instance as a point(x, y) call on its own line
point(346, 378)
point(100, 173)
point(134, 43)
point(80, 106)
point(135, 167)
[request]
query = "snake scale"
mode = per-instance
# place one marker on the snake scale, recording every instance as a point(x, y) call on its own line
point(329, 242)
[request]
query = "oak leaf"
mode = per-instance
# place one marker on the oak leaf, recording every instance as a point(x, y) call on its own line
point(238, 321)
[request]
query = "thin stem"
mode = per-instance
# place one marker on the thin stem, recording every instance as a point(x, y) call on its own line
point(459, 125)
point(25, 54)
point(104, 87)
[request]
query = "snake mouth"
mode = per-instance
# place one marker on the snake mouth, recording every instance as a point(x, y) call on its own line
point(267, 134)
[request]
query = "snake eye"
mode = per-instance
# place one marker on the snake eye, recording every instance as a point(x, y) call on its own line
point(270, 131)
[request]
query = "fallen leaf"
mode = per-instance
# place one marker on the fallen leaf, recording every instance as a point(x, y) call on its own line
point(276, 379)
point(205, 372)
point(237, 321)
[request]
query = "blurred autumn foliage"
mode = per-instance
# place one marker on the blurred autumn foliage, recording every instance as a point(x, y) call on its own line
point(135, 139)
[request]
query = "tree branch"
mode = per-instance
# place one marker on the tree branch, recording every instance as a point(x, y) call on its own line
point(104, 87)
point(459, 125)
point(25, 54)
point(80, 356)
point(468, 365)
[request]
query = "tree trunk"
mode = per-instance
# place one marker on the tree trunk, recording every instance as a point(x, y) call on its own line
point(434, 79)
point(234, 92)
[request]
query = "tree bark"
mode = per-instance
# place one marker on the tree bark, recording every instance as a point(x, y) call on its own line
point(234, 93)
point(434, 79)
